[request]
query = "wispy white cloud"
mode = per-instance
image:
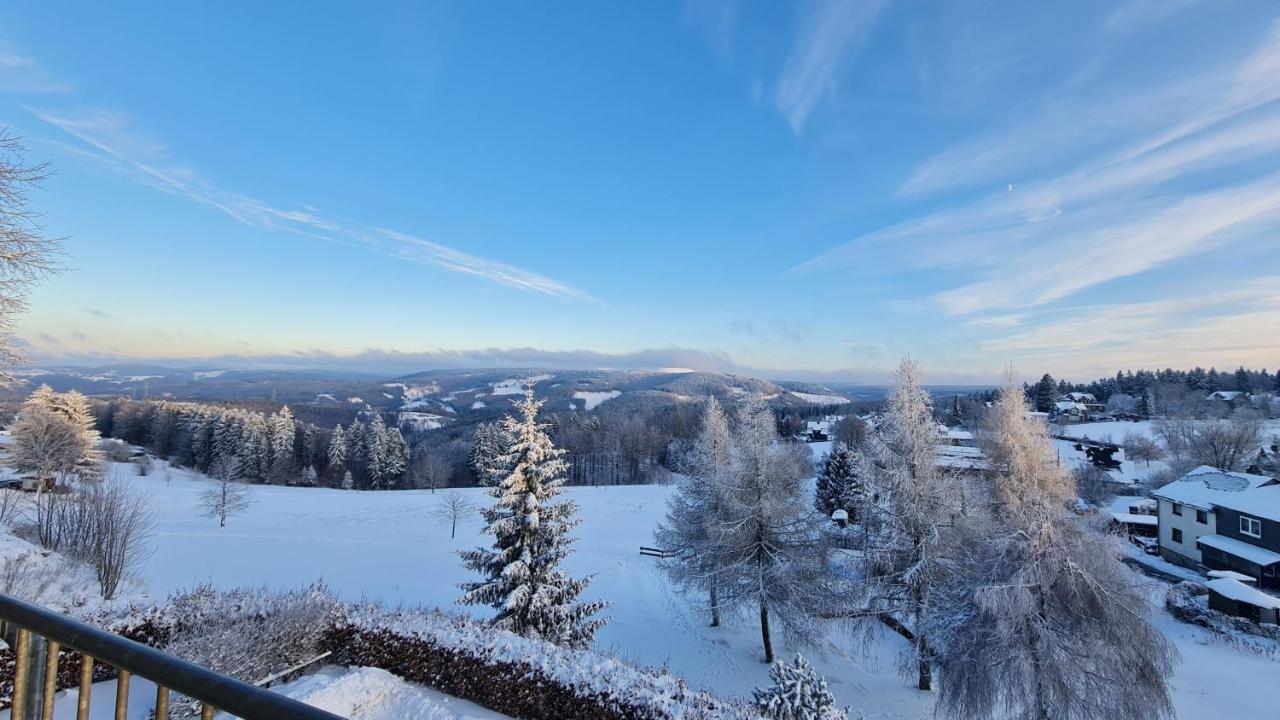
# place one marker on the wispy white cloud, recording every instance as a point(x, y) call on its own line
point(1133, 14)
point(1123, 121)
point(117, 141)
point(1116, 211)
point(1203, 326)
point(830, 30)
point(22, 74)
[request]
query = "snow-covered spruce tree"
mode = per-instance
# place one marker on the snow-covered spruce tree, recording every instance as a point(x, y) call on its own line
point(842, 482)
point(202, 425)
point(255, 448)
point(694, 510)
point(375, 452)
point(1042, 621)
point(798, 692)
point(914, 503)
point(764, 543)
point(337, 451)
point(520, 575)
point(357, 450)
point(282, 433)
point(487, 451)
point(395, 458)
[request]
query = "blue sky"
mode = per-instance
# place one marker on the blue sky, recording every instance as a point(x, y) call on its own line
point(809, 190)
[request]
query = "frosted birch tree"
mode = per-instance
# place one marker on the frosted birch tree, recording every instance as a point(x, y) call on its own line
point(521, 576)
point(1041, 620)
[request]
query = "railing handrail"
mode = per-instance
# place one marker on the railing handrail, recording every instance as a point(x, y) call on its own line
point(225, 693)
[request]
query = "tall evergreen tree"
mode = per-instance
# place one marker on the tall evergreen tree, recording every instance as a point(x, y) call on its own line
point(487, 452)
point(521, 576)
point(841, 483)
point(282, 435)
point(337, 451)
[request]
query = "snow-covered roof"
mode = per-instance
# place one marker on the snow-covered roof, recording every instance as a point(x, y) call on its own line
point(1134, 519)
point(1224, 395)
point(1207, 486)
point(1081, 396)
point(1233, 575)
point(1064, 405)
point(1238, 591)
point(1240, 549)
point(958, 434)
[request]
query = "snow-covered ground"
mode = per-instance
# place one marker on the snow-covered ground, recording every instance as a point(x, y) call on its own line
point(383, 545)
point(353, 693)
point(1112, 431)
point(592, 399)
point(818, 399)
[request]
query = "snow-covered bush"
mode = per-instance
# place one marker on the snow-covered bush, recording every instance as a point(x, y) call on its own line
point(515, 675)
point(249, 634)
point(798, 692)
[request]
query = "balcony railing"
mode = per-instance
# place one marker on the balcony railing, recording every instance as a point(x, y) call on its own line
point(37, 635)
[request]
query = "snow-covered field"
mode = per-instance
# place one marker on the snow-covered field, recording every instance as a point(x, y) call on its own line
point(817, 399)
point(1112, 431)
point(383, 545)
point(592, 399)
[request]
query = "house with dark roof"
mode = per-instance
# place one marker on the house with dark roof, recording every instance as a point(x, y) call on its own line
point(1211, 519)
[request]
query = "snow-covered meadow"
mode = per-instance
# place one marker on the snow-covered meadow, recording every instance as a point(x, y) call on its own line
point(385, 546)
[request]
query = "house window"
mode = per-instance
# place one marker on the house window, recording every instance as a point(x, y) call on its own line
point(1202, 517)
point(1177, 535)
point(1177, 509)
point(1250, 526)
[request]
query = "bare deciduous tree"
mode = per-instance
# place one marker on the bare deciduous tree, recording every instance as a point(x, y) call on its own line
point(1223, 443)
point(122, 525)
point(1141, 447)
point(450, 508)
point(26, 255)
point(228, 497)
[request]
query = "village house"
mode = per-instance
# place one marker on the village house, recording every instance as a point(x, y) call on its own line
point(1216, 520)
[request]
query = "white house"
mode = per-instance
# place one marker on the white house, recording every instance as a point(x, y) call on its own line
point(1188, 510)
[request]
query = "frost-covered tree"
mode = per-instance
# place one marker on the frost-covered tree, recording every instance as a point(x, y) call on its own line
point(694, 510)
point(914, 502)
point(764, 544)
point(203, 428)
point(337, 451)
point(487, 452)
point(228, 496)
point(254, 453)
point(375, 452)
point(348, 482)
point(282, 433)
point(44, 443)
point(798, 692)
point(309, 476)
point(395, 457)
point(521, 576)
point(358, 449)
point(1041, 620)
point(73, 409)
point(842, 482)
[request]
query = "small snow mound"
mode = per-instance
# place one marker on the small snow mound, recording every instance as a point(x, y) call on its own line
point(365, 694)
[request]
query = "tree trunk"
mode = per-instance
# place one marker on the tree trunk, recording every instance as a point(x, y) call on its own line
point(453, 530)
point(715, 606)
point(764, 632)
point(925, 681)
